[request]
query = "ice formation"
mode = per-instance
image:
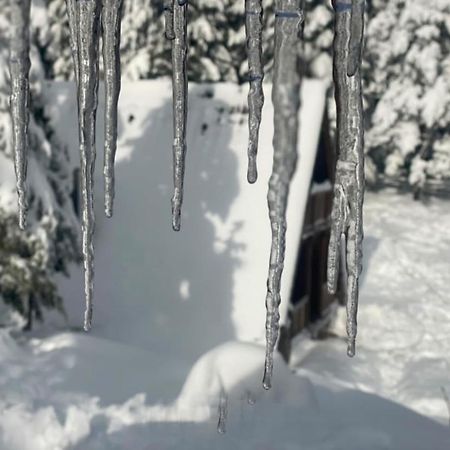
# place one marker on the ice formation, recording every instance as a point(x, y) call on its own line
point(179, 87)
point(89, 18)
point(289, 16)
point(347, 232)
point(87, 27)
point(253, 28)
point(111, 18)
point(19, 64)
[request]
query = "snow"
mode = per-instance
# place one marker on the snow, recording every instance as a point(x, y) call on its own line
point(151, 372)
point(404, 318)
point(8, 193)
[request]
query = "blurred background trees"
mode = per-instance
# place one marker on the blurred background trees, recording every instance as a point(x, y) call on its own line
point(406, 68)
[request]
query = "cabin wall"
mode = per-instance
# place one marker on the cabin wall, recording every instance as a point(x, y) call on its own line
point(311, 305)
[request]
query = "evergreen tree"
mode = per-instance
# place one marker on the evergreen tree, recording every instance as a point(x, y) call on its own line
point(406, 68)
point(407, 86)
point(30, 259)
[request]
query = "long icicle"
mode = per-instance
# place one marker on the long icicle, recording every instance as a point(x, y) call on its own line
point(88, 30)
point(111, 24)
point(289, 16)
point(347, 231)
point(253, 28)
point(179, 87)
point(19, 65)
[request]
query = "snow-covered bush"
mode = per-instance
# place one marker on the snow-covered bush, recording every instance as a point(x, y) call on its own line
point(407, 88)
point(29, 259)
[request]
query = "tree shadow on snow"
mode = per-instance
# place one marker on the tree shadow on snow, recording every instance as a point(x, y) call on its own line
point(168, 292)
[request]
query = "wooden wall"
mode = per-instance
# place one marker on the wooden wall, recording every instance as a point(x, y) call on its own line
point(310, 301)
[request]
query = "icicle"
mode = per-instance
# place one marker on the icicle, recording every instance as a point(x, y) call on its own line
point(179, 86)
point(286, 103)
point(111, 21)
point(168, 15)
point(223, 412)
point(356, 37)
point(19, 65)
point(346, 232)
point(88, 29)
point(72, 16)
point(253, 28)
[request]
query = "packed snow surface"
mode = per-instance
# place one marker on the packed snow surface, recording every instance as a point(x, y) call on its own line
point(160, 386)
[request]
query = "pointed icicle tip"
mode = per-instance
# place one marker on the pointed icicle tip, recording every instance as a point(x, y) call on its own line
point(88, 320)
point(252, 172)
point(108, 211)
point(22, 219)
point(267, 380)
point(176, 216)
point(176, 224)
point(351, 348)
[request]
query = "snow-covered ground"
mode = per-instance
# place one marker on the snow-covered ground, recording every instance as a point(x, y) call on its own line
point(164, 352)
point(72, 390)
point(404, 314)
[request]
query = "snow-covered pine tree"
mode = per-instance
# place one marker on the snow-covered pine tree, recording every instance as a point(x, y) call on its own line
point(30, 259)
point(51, 36)
point(407, 89)
point(144, 50)
point(216, 41)
point(216, 33)
point(405, 58)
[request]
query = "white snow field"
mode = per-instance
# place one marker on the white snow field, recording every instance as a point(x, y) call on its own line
point(177, 330)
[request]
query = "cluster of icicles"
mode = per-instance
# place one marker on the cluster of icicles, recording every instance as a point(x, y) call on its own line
point(89, 19)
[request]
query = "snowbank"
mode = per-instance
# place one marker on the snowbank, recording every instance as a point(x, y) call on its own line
point(72, 391)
